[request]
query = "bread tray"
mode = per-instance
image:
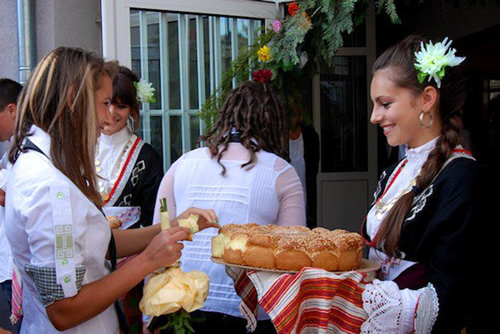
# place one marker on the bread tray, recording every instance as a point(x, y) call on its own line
point(366, 266)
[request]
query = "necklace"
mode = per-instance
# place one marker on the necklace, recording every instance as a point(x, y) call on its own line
point(381, 206)
point(105, 188)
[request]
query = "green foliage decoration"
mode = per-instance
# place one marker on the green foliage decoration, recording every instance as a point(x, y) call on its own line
point(308, 37)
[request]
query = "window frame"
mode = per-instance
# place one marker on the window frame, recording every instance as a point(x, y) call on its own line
point(116, 30)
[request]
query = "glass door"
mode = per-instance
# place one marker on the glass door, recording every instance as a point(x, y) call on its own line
point(342, 107)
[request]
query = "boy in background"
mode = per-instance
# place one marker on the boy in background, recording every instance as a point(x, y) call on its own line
point(9, 91)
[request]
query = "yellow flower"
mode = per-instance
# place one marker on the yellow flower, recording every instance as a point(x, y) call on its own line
point(264, 54)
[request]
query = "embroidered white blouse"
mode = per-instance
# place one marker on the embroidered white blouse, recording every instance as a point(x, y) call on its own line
point(59, 239)
point(415, 158)
point(111, 155)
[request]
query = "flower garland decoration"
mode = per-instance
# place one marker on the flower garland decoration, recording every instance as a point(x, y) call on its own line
point(432, 60)
point(293, 46)
point(145, 91)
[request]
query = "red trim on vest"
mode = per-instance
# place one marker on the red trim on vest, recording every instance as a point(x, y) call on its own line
point(372, 243)
point(137, 140)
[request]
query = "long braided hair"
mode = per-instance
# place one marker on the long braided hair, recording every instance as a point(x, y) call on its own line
point(253, 111)
point(401, 58)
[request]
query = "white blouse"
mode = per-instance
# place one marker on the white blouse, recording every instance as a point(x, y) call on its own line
point(59, 239)
point(403, 178)
point(269, 193)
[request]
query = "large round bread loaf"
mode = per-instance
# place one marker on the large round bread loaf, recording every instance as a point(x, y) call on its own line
point(288, 247)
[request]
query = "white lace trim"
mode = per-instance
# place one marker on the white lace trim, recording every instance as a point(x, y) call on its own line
point(391, 310)
point(427, 310)
point(382, 302)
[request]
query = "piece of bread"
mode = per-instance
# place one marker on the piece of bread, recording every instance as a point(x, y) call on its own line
point(191, 223)
point(114, 222)
point(288, 247)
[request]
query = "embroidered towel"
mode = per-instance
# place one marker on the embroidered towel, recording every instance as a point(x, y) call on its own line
point(312, 300)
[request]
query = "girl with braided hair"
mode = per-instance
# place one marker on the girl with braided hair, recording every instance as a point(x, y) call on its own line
point(244, 175)
point(425, 223)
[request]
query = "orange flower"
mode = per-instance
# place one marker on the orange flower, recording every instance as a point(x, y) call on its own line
point(293, 9)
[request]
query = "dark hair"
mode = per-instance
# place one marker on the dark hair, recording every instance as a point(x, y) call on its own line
point(124, 90)
point(9, 91)
point(254, 110)
point(401, 58)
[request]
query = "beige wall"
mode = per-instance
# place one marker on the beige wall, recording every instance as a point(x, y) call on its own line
point(8, 40)
point(58, 23)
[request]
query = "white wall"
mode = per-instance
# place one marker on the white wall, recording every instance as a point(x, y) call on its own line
point(71, 23)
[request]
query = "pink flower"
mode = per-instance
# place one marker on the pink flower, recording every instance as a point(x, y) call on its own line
point(277, 25)
point(262, 75)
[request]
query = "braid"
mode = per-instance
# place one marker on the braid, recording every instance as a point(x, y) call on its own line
point(255, 111)
point(390, 229)
point(451, 100)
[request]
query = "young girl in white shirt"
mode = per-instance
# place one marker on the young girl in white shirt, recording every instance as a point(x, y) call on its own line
point(60, 238)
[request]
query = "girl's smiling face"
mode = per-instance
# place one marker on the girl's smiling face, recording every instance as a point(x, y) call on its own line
point(396, 110)
point(119, 115)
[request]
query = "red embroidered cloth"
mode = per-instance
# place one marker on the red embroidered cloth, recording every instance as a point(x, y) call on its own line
point(312, 300)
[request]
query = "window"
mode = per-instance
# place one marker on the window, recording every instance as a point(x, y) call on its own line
point(183, 56)
point(344, 120)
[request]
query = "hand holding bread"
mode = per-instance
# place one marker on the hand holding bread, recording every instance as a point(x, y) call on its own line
point(205, 218)
point(165, 248)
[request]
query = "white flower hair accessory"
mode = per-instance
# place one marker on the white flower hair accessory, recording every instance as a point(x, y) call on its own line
point(145, 91)
point(432, 60)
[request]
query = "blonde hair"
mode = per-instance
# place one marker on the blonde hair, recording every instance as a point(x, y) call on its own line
point(59, 99)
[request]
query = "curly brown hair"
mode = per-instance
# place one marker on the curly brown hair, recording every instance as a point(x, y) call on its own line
point(253, 111)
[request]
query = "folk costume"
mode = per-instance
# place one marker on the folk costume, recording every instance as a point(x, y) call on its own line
point(131, 172)
point(440, 236)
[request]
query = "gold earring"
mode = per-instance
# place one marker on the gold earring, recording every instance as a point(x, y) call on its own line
point(421, 117)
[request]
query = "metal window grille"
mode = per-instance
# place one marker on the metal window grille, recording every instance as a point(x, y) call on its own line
point(184, 56)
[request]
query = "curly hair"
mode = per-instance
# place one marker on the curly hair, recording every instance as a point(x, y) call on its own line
point(253, 111)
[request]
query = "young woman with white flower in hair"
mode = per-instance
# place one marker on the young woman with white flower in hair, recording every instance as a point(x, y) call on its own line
point(129, 170)
point(425, 223)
